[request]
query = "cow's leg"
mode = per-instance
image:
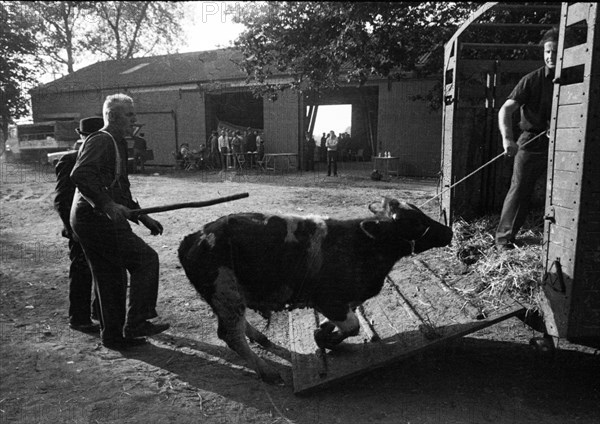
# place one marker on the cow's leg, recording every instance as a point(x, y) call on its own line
point(228, 304)
point(326, 337)
point(256, 336)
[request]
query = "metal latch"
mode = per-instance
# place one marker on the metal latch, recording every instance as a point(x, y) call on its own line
point(550, 216)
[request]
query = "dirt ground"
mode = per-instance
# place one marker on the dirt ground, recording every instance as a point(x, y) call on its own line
point(50, 374)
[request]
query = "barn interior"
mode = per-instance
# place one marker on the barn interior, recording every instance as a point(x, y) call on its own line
point(239, 107)
point(364, 101)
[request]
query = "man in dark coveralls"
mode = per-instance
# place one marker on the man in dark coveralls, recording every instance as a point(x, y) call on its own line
point(80, 277)
point(533, 96)
point(101, 207)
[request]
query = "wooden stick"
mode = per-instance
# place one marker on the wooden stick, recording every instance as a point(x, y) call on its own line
point(144, 211)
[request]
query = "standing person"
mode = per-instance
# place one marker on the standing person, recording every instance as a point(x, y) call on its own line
point(213, 146)
point(309, 152)
point(332, 153)
point(80, 276)
point(251, 142)
point(139, 152)
point(223, 149)
point(236, 142)
point(533, 96)
point(260, 148)
point(323, 148)
point(101, 206)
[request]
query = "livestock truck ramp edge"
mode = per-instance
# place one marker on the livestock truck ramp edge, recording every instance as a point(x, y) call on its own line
point(415, 310)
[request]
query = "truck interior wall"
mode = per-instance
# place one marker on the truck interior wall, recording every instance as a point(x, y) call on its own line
point(476, 138)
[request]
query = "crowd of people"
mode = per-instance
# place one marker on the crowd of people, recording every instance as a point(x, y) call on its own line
point(243, 147)
point(224, 148)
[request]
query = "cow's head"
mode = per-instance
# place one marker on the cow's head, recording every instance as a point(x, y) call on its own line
point(408, 223)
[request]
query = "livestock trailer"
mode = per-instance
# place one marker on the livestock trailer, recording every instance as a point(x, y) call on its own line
point(479, 72)
point(484, 60)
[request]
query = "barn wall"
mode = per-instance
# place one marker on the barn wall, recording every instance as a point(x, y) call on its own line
point(282, 123)
point(170, 117)
point(47, 103)
point(408, 129)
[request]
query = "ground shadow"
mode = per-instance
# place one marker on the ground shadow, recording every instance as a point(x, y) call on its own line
point(491, 381)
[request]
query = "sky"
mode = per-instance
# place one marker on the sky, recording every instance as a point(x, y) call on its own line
point(210, 25)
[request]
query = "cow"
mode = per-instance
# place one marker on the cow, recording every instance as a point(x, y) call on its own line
point(274, 262)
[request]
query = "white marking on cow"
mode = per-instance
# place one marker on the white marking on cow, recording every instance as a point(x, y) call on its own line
point(210, 239)
point(315, 253)
point(292, 226)
point(350, 325)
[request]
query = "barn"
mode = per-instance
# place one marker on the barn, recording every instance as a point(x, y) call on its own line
point(181, 98)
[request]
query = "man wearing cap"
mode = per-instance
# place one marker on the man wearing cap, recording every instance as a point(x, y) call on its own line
point(101, 208)
point(80, 277)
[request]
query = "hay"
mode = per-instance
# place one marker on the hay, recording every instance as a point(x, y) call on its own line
point(515, 274)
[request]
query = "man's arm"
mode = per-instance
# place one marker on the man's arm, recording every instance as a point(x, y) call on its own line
point(64, 189)
point(505, 124)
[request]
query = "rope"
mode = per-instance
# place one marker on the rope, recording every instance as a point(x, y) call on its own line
point(479, 169)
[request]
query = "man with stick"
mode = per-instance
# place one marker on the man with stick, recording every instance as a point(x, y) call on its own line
point(101, 207)
point(533, 96)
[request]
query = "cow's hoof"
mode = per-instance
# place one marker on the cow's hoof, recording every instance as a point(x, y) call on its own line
point(326, 338)
point(542, 345)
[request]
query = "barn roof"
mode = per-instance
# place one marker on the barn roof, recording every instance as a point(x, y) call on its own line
point(179, 68)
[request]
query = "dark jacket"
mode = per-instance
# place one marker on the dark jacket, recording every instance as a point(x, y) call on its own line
point(65, 190)
point(94, 172)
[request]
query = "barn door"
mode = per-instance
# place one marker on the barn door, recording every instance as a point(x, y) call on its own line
point(572, 226)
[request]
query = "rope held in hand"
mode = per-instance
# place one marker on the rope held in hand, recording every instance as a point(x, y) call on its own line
point(479, 169)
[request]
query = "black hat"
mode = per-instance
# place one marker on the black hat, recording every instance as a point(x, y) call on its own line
point(89, 125)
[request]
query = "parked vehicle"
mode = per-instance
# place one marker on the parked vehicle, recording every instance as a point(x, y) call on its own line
point(33, 142)
point(53, 158)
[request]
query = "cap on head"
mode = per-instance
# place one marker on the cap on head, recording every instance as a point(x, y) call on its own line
point(89, 125)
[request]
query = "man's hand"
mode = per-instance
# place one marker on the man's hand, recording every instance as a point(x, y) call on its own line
point(510, 147)
point(116, 212)
point(153, 225)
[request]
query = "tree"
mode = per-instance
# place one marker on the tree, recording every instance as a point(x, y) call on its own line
point(129, 29)
point(318, 43)
point(58, 23)
point(67, 30)
point(17, 48)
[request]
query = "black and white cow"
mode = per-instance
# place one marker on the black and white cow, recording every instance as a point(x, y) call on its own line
point(271, 262)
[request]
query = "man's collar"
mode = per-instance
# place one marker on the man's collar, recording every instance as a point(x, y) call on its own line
point(549, 72)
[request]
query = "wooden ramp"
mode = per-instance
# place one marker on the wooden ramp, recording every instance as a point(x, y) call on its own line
point(414, 311)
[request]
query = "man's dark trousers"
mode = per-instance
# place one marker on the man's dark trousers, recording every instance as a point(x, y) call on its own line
point(80, 286)
point(332, 157)
point(527, 168)
point(112, 250)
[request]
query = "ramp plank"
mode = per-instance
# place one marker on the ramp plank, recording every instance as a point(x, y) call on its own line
point(413, 312)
